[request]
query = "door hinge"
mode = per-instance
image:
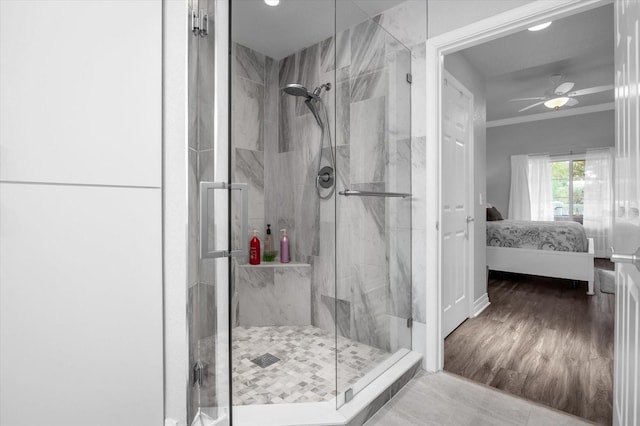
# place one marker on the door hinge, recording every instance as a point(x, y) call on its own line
point(348, 395)
point(409, 322)
point(437, 226)
point(409, 78)
point(198, 373)
point(199, 23)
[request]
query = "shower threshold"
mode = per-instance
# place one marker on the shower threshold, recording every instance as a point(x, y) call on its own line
point(371, 392)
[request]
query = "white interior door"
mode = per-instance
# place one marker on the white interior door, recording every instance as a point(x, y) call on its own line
point(626, 233)
point(457, 149)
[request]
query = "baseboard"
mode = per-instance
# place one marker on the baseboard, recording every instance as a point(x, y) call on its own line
point(480, 305)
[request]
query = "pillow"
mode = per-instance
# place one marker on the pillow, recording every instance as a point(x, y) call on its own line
point(493, 214)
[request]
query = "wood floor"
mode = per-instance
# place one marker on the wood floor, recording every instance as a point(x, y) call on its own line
point(543, 340)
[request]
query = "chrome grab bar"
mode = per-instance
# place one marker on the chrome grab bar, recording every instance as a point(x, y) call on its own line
point(353, 192)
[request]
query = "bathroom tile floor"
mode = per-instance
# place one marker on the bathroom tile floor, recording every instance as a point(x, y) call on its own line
point(444, 399)
point(306, 371)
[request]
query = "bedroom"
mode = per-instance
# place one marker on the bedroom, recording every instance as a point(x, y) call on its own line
point(541, 338)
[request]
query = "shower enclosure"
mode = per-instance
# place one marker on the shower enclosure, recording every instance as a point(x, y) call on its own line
point(319, 146)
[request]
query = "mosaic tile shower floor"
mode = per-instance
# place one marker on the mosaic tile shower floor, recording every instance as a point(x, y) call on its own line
point(306, 371)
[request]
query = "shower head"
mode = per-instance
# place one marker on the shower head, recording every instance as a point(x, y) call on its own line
point(297, 90)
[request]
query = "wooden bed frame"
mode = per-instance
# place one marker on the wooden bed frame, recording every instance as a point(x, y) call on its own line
point(558, 264)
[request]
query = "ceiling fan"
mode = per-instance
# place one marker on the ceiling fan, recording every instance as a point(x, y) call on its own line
point(561, 95)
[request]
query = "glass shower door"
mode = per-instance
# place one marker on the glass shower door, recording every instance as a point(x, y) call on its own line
point(373, 208)
point(208, 236)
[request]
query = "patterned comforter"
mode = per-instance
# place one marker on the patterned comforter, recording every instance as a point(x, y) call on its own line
point(558, 236)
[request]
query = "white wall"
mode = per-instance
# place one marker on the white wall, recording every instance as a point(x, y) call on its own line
point(556, 136)
point(80, 213)
point(176, 368)
point(447, 15)
point(464, 72)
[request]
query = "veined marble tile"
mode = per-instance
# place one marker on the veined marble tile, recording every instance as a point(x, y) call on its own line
point(399, 166)
point(368, 228)
point(274, 296)
point(287, 75)
point(370, 85)
point(399, 93)
point(418, 88)
point(272, 90)
point(329, 56)
point(340, 311)
point(418, 182)
point(248, 114)
point(206, 164)
point(203, 319)
point(193, 90)
point(308, 73)
point(418, 274)
point(249, 64)
point(322, 284)
point(407, 22)
point(306, 241)
point(250, 169)
point(343, 107)
point(193, 253)
point(399, 333)
point(368, 138)
point(400, 303)
point(368, 317)
point(206, 92)
point(367, 47)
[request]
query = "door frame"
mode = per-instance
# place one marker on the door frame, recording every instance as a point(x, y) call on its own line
point(470, 158)
point(471, 35)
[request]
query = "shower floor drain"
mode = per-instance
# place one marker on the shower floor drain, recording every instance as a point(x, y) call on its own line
point(265, 360)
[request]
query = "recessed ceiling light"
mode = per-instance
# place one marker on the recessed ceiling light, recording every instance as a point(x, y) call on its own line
point(556, 103)
point(538, 27)
point(272, 2)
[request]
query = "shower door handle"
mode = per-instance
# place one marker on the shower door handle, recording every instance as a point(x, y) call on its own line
point(206, 201)
point(244, 221)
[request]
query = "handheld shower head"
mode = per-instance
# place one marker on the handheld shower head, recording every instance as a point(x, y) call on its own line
point(297, 90)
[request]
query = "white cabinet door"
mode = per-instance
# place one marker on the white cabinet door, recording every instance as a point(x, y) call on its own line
point(80, 306)
point(626, 233)
point(81, 91)
point(457, 141)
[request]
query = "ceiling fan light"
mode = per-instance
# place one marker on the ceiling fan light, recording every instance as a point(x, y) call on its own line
point(556, 103)
point(540, 27)
point(272, 2)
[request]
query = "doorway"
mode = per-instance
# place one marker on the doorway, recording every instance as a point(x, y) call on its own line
point(437, 48)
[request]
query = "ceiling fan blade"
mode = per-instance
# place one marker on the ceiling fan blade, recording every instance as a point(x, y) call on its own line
point(564, 87)
point(531, 106)
point(536, 98)
point(591, 90)
point(572, 102)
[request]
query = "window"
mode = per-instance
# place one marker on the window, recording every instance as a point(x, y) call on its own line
point(568, 189)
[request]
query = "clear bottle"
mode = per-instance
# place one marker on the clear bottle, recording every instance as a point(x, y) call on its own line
point(284, 247)
point(269, 253)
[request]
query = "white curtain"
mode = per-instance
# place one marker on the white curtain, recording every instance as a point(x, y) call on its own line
point(519, 200)
point(598, 199)
point(540, 190)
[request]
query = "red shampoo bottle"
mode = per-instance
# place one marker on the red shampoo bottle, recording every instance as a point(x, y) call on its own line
point(254, 249)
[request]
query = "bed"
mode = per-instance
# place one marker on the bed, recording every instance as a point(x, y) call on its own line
point(550, 249)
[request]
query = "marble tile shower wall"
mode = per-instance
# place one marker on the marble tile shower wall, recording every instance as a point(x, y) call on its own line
point(367, 69)
point(276, 142)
